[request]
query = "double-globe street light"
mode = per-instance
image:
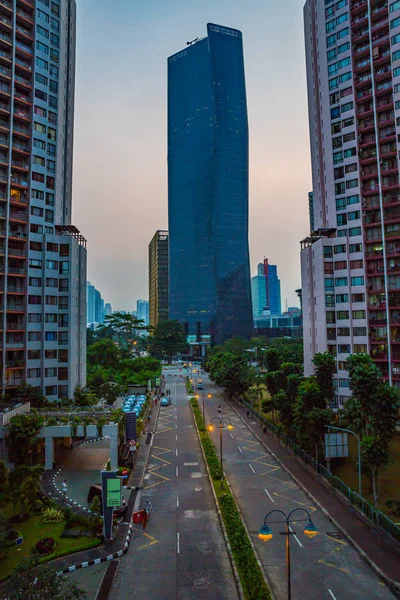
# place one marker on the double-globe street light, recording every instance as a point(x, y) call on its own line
point(265, 534)
point(223, 422)
point(208, 396)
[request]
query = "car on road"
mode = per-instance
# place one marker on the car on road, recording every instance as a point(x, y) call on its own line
point(166, 401)
point(200, 386)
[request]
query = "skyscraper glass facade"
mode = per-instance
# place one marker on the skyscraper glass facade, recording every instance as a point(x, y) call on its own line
point(208, 187)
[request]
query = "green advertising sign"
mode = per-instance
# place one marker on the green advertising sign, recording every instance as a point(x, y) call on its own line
point(113, 492)
point(158, 381)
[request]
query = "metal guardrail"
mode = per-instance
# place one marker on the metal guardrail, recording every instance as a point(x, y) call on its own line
point(376, 517)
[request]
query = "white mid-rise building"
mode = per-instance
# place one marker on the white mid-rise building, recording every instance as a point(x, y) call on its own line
point(350, 263)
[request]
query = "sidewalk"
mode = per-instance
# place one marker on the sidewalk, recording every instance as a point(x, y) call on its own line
point(376, 548)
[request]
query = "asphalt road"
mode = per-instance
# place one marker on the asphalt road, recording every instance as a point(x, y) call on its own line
point(323, 568)
point(181, 555)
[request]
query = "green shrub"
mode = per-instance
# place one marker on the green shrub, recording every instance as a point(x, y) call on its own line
point(52, 515)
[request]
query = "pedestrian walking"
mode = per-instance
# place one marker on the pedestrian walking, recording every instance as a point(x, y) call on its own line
point(264, 429)
point(219, 409)
point(148, 509)
point(248, 414)
point(64, 487)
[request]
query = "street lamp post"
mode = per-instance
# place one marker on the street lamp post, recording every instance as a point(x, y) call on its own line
point(265, 534)
point(222, 423)
point(359, 453)
point(204, 416)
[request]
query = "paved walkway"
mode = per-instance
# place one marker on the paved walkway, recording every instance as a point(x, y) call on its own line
point(181, 555)
point(324, 568)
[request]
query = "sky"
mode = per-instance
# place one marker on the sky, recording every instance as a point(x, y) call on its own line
point(120, 156)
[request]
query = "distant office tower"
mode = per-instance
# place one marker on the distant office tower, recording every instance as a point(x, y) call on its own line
point(158, 278)
point(95, 305)
point(311, 211)
point(266, 290)
point(107, 310)
point(142, 310)
point(43, 262)
point(208, 188)
point(351, 265)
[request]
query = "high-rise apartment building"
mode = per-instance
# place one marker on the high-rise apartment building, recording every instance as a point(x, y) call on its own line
point(95, 305)
point(311, 211)
point(142, 311)
point(266, 290)
point(42, 256)
point(158, 278)
point(208, 188)
point(351, 262)
point(107, 310)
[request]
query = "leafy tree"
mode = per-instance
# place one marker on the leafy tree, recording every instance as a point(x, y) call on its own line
point(3, 476)
point(23, 436)
point(168, 337)
point(310, 416)
point(96, 377)
point(232, 372)
point(4, 531)
point(24, 487)
point(125, 328)
point(272, 359)
point(372, 413)
point(104, 353)
point(28, 393)
point(325, 368)
point(31, 581)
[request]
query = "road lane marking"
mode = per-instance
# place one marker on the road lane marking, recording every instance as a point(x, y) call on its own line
point(177, 502)
point(176, 471)
point(190, 464)
point(176, 452)
point(296, 538)
point(334, 597)
point(333, 566)
point(251, 468)
point(231, 436)
point(269, 495)
point(176, 437)
point(240, 449)
point(178, 549)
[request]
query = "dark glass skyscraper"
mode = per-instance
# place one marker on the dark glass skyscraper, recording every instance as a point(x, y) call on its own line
point(209, 269)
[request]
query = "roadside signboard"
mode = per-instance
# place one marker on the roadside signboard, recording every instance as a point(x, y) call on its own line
point(336, 445)
point(130, 425)
point(113, 492)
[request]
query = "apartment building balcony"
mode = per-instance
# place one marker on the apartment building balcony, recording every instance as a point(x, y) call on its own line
point(5, 109)
point(17, 235)
point(360, 20)
point(20, 148)
point(384, 91)
point(15, 308)
point(382, 58)
point(17, 252)
point(12, 326)
point(19, 181)
point(20, 131)
point(364, 96)
point(361, 35)
point(22, 115)
point(15, 364)
point(19, 215)
point(4, 125)
point(362, 65)
point(6, 6)
point(19, 198)
point(20, 165)
point(26, 4)
point(22, 82)
point(5, 40)
point(5, 74)
point(13, 379)
point(366, 125)
point(26, 35)
point(378, 26)
point(358, 7)
point(15, 289)
point(15, 271)
point(22, 66)
point(366, 141)
point(377, 318)
point(24, 18)
point(6, 23)
point(21, 97)
point(361, 51)
point(362, 81)
point(5, 58)
point(378, 354)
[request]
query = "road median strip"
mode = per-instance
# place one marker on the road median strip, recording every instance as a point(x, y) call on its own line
point(247, 569)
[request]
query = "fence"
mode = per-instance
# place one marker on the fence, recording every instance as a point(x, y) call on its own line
point(376, 517)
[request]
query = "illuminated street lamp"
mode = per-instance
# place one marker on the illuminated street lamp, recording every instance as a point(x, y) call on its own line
point(208, 396)
point(265, 534)
point(223, 422)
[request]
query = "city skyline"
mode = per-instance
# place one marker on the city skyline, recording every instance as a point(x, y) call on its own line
point(131, 95)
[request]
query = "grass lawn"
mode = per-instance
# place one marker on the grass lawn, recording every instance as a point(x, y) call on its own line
point(389, 490)
point(34, 530)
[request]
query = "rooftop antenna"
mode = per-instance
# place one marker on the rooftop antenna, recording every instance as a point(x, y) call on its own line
point(192, 42)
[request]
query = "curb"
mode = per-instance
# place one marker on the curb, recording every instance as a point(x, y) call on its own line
point(220, 518)
point(393, 585)
point(96, 561)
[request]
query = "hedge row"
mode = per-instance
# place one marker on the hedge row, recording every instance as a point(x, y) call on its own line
point(251, 578)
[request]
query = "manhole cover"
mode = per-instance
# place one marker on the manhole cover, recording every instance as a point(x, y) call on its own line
point(336, 535)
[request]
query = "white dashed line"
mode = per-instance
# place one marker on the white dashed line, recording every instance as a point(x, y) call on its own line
point(176, 437)
point(269, 495)
point(240, 449)
point(177, 471)
point(296, 538)
point(176, 451)
point(334, 597)
point(177, 502)
point(231, 436)
point(178, 549)
point(251, 468)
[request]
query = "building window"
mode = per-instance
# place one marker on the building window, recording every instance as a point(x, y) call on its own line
point(341, 264)
point(51, 390)
point(354, 231)
point(64, 249)
point(358, 314)
point(358, 331)
point(343, 383)
point(328, 268)
point(63, 356)
point(33, 354)
point(341, 219)
point(355, 248)
point(35, 264)
point(344, 349)
point(342, 315)
point(341, 34)
point(64, 267)
point(63, 302)
point(50, 372)
point(342, 298)
point(34, 318)
point(329, 284)
point(327, 251)
point(356, 264)
point(52, 247)
point(34, 336)
point(51, 318)
point(343, 331)
point(50, 336)
point(330, 316)
point(63, 285)
point(357, 281)
point(354, 215)
point(51, 264)
point(51, 354)
point(340, 249)
point(340, 203)
point(52, 300)
point(329, 300)
point(51, 282)
point(35, 281)
point(341, 281)
point(33, 373)
point(358, 297)
point(63, 320)
point(34, 300)
point(360, 349)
